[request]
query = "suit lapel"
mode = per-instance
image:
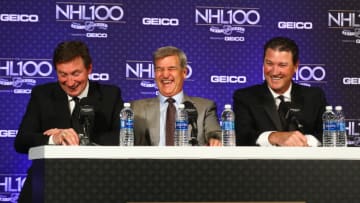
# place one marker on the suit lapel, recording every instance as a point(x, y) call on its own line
point(153, 117)
point(297, 101)
point(94, 95)
point(270, 107)
point(61, 107)
point(297, 98)
point(186, 98)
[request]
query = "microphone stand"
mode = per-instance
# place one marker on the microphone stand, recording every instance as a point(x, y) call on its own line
point(292, 119)
point(85, 138)
point(86, 118)
point(192, 115)
point(297, 123)
point(194, 131)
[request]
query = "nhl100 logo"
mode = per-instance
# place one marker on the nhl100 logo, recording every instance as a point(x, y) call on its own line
point(145, 70)
point(30, 68)
point(83, 11)
point(310, 73)
point(232, 16)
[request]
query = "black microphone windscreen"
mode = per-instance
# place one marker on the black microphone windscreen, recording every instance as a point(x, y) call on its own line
point(294, 112)
point(191, 110)
point(84, 101)
point(86, 112)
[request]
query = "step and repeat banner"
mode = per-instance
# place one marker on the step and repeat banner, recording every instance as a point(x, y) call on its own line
point(223, 40)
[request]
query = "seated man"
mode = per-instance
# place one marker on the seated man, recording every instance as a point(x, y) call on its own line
point(150, 114)
point(52, 115)
point(279, 112)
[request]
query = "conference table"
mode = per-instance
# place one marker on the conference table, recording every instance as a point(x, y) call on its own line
point(195, 174)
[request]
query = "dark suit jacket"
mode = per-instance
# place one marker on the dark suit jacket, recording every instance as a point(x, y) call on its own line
point(147, 120)
point(256, 112)
point(49, 108)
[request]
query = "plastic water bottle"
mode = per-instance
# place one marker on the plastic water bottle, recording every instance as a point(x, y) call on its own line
point(181, 127)
point(228, 126)
point(341, 138)
point(126, 126)
point(329, 127)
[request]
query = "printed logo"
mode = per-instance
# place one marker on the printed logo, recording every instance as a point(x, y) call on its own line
point(160, 21)
point(295, 25)
point(10, 187)
point(99, 76)
point(24, 18)
point(8, 133)
point(93, 18)
point(20, 75)
point(351, 81)
point(353, 132)
point(308, 74)
point(227, 23)
point(228, 79)
point(349, 23)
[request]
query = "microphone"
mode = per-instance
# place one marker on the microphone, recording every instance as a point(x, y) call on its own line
point(192, 116)
point(86, 119)
point(291, 116)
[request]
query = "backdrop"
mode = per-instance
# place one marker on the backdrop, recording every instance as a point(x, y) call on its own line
point(223, 40)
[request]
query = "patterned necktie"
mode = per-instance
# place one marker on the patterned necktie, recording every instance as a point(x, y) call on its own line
point(282, 110)
point(170, 122)
point(75, 123)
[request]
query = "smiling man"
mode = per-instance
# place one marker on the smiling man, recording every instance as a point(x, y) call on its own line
point(150, 114)
point(51, 116)
point(279, 112)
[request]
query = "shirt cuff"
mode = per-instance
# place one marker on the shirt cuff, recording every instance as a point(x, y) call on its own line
point(312, 141)
point(263, 139)
point(51, 141)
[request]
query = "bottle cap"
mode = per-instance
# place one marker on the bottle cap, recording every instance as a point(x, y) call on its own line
point(338, 108)
point(126, 104)
point(227, 106)
point(328, 108)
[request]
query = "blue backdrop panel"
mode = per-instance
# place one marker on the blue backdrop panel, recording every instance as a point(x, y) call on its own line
point(222, 39)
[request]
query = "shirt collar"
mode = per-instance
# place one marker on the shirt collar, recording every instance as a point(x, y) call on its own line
point(178, 98)
point(287, 93)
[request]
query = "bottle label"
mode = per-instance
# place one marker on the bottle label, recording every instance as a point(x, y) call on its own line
point(341, 126)
point(331, 125)
point(126, 124)
point(228, 125)
point(181, 125)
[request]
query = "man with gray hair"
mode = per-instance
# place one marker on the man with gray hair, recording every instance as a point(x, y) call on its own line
point(151, 114)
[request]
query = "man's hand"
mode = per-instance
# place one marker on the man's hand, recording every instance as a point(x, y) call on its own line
point(63, 136)
point(214, 142)
point(292, 138)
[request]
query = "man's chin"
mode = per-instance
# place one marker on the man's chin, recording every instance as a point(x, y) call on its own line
point(276, 88)
point(72, 93)
point(167, 93)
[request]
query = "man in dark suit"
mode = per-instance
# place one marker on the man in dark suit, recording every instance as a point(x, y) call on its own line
point(293, 119)
point(150, 114)
point(52, 115)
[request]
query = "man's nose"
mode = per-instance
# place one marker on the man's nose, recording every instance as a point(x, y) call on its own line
point(276, 70)
point(70, 81)
point(166, 72)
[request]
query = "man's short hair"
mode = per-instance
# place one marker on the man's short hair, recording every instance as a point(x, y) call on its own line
point(69, 50)
point(163, 52)
point(283, 44)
